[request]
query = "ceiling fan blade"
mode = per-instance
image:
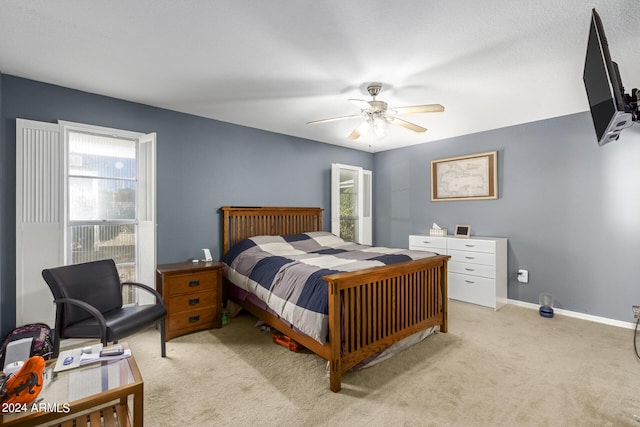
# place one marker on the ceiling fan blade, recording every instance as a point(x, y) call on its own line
point(355, 134)
point(429, 108)
point(315, 122)
point(411, 126)
point(361, 104)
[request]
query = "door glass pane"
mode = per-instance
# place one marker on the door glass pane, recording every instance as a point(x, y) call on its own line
point(349, 204)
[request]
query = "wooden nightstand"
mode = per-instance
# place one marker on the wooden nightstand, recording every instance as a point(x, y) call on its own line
point(192, 293)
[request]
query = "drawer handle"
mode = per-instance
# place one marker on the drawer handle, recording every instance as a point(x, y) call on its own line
point(194, 318)
point(194, 301)
point(194, 283)
point(470, 246)
point(470, 281)
point(424, 241)
point(470, 257)
point(470, 269)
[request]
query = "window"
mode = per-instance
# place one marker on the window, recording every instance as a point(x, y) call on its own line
point(84, 193)
point(101, 213)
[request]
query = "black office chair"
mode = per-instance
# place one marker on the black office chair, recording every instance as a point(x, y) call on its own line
point(88, 299)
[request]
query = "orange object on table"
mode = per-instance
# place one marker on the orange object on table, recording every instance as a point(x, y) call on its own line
point(24, 386)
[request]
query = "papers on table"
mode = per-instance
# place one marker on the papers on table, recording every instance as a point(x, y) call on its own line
point(78, 358)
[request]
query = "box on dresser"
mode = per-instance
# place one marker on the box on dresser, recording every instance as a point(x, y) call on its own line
point(192, 294)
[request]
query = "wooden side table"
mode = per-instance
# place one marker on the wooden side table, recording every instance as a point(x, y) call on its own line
point(192, 294)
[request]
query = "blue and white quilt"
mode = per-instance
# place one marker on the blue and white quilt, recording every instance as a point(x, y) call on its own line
point(285, 272)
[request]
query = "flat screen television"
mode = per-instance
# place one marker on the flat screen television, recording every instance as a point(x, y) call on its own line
point(605, 92)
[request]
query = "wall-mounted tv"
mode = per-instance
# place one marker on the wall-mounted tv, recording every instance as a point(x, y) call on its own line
point(609, 110)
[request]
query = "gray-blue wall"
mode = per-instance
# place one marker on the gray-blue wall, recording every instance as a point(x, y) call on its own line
point(202, 164)
point(570, 209)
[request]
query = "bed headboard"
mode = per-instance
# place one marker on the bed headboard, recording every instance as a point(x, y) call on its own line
point(240, 223)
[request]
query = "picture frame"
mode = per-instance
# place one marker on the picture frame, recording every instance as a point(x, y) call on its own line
point(462, 231)
point(470, 177)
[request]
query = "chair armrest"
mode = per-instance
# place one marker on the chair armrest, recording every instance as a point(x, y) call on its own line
point(91, 310)
point(146, 288)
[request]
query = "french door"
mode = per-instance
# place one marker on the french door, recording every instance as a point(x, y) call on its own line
point(351, 189)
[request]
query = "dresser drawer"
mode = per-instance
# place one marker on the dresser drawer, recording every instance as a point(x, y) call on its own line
point(192, 301)
point(475, 245)
point(419, 242)
point(472, 269)
point(473, 289)
point(194, 282)
point(191, 320)
point(472, 257)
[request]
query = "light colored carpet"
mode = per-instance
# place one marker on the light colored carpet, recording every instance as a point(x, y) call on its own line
point(505, 368)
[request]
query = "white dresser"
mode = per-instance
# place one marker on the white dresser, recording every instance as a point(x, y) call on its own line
point(477, 268)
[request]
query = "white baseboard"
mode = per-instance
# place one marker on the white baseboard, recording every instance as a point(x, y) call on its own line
point(583, 316)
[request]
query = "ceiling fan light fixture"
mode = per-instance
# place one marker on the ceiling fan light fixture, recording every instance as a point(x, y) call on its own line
point(379, 126)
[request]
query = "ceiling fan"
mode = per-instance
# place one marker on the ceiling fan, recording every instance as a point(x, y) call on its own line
point(377, 115)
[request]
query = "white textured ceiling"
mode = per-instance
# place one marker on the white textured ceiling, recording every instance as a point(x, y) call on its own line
point(277, 64)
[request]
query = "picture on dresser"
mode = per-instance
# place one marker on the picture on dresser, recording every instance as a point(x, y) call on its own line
point(471, 177)
point(463, 231)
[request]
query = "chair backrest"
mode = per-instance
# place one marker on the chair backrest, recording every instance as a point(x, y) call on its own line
point(97, 283)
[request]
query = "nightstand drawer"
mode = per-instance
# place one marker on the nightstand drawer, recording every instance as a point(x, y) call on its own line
point(192, 320)
point(193, 301)
point(188, 283)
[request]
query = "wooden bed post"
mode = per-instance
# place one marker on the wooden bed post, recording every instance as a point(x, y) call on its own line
point(445, 299)
point(335, 360)
point(225, 231)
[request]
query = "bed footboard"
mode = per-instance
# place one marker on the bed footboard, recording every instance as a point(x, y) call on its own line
point(371, 309)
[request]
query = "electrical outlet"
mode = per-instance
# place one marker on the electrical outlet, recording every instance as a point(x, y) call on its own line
point(523, 276)
point(636, 311)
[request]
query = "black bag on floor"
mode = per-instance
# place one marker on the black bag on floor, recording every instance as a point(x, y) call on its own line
point(42, 344)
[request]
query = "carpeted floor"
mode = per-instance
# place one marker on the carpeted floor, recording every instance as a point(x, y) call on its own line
point(505, 368)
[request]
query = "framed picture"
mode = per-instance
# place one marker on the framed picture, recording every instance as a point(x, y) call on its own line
point(462, 231)
point(472, 177)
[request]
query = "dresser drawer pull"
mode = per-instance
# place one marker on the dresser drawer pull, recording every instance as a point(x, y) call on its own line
point(470, 246)
point(470, 281)
point(194, 283)
point(426, 241)
point(470, 269)
point(194, 318)
point(470, 257)
point(194, 301)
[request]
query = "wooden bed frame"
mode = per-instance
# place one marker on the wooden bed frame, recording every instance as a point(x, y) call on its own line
point(368, 309)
